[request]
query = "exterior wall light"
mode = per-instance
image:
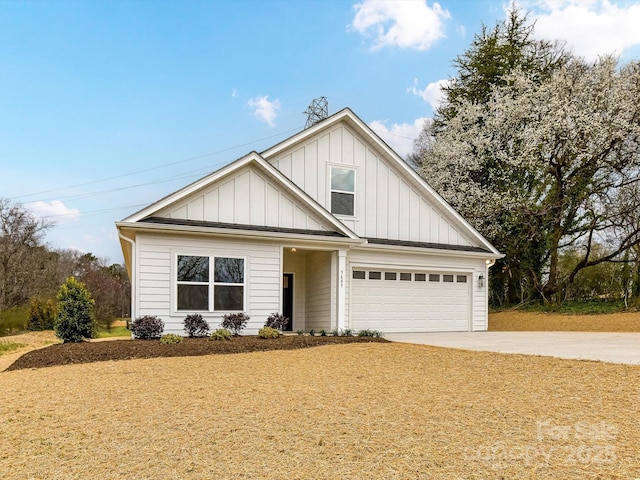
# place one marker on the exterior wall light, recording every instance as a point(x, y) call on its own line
point(481, 280)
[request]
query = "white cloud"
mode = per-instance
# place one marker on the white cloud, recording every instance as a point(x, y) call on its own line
point(54, 210)
point(400, 136)
point(234, 93)
point(432, 93)
point(402, 23)
point(264, 109)
point(590, 27)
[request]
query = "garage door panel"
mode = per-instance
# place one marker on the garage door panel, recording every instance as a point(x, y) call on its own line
point(410, 305)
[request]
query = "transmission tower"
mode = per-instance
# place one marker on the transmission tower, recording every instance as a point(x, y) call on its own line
point(317, 111)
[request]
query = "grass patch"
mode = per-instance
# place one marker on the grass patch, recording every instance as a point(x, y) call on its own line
point(6, 347)
point(589, 307)
point(114, 332)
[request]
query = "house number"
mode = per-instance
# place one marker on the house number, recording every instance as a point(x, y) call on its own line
point(342, 278)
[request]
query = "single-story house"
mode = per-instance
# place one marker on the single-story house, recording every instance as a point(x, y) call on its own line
point(330, 227)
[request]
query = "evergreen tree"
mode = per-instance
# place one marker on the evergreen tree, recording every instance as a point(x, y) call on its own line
point(75, 320)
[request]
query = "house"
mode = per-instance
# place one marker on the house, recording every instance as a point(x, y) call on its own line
point(330, 227)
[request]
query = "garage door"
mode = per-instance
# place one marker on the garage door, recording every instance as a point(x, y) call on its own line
point(405, 301)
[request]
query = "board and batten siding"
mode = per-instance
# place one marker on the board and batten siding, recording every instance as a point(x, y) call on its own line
point(156, 287)
point(319, 301)
point(370, 258)
point(387, 204)
point(246, 197)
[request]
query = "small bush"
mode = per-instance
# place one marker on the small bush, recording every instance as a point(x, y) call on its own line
point(42, 314)
point(170, 339)
point(235, 322)
point(369, 333)
point(323, 333)
point(312, 332)
point(147, 327)
point(347, 332)
point(196, 326)
point(277, 321)
point(335, 332)
point(268, 332)
point(221, 334)
point(75, 320)
point(300, 332)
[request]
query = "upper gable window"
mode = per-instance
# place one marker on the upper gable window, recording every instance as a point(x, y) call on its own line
point(343, 182)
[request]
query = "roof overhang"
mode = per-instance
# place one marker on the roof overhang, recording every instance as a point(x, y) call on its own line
point(434, 249)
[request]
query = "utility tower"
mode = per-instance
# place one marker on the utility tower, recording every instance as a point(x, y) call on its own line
point(317, 111)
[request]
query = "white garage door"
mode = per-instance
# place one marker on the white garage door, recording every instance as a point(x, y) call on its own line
point(405, 301)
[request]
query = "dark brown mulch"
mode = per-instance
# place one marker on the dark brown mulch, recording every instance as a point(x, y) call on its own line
point(86, 352)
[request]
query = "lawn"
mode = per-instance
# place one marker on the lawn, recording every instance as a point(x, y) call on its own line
point(382, 411)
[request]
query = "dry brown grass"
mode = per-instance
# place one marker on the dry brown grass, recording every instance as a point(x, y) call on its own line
point(514, 320)
point(30, 340)
point(386, 411)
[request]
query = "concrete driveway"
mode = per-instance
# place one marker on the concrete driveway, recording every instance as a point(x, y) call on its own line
point(606, 347)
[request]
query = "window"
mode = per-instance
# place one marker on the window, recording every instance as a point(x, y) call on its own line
point(358, 274)
point(421, 277)
point(390, 275)
point(375, 275)
point(343, 191)
point(434, 277)
point(196, 287)
point(405, 276)
point(447, 278)
point(462, 279)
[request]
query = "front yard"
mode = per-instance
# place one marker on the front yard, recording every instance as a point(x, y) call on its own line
point(375, 410)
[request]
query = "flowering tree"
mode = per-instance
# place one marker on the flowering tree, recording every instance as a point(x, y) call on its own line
point(544, 165)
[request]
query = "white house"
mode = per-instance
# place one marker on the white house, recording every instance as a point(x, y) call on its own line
point(330, 227)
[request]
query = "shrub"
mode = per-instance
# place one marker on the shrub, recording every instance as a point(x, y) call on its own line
point(235, 322)
point(75, 320)
point(323, 333)
point(312, 332)
point(147, 327)
point(42, 314)
point(196, 326)
point(335, 332)
point(221, 334)
point(300, 332)
point(170, 339)
point(268, 332)
point(347, 332)
point(369, 333)
point(277, 321)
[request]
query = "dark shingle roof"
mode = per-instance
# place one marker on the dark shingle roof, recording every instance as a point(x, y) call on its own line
point(439, 246)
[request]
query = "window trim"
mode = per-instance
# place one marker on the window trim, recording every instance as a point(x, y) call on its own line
point(210, 283)
point(332, 190)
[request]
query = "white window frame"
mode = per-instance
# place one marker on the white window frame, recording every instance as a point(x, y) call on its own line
point(332, 190)
point(210, 283)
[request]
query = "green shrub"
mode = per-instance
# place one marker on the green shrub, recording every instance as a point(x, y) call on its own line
point(347, 332)
point(312, 332)
point(370, 333)
point(268, 332)
point(235, 322)
point(323, 333)
point(196, 326)
point(13, 320)
point(221, 334)
point(300, 332)
point(75, 320)
point(147, 327)
point(170, 339)
point(335, 332)
point(42, 314)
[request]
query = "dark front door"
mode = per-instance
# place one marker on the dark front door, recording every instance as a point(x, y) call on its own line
point(287, 299)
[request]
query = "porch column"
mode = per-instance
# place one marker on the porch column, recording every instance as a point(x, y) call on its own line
point(342, 267)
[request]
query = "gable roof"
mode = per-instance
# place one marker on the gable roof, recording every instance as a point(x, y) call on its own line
point(354, 122)
point(256, 161)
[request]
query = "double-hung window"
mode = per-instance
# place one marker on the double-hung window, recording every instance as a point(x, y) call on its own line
point(207, 283)
point(343, 191)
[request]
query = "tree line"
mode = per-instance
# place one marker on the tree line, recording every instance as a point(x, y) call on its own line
point(539, 150)
point(32, 272)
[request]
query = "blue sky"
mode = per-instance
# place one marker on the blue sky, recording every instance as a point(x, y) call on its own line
point(107, 106)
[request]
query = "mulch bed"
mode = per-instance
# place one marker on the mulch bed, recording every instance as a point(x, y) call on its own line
point(87, 352)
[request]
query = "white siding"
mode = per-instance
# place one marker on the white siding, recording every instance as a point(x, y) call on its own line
point(247, 197)
point(156, 277)
point(400, 261)
point(318, 304)
point(388, 204)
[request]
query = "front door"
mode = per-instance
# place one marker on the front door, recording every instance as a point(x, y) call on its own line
point(287, 299)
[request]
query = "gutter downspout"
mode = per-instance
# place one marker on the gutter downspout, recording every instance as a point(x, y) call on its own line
point(133, 273)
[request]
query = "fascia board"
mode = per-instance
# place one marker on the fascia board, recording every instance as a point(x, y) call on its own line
point(439, 251)
point(224, 232)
